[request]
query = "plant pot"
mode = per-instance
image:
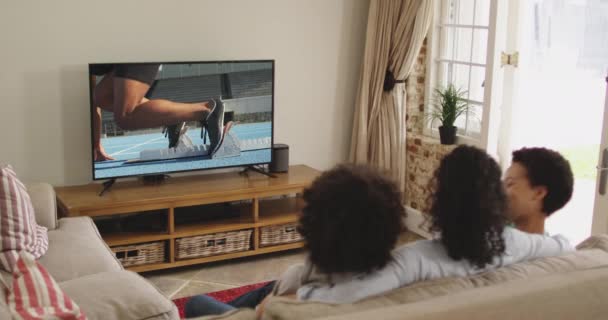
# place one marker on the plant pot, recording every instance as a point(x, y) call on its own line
point(447, 135)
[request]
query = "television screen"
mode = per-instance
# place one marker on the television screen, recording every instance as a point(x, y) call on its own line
point(157, 118)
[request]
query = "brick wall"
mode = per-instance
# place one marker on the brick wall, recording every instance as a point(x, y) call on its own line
point(414, 88)
point(423, 153)
point(423, 156)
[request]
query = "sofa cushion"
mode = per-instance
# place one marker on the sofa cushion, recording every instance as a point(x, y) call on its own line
point(6, 279)
point(18, 228)
point(284, 308)
point(4, 312)
point(76, 249)
point(35, 295)
point(240, 314)
point(119, 295)
point(45, 204)
point(580, 294)
point(599, 241)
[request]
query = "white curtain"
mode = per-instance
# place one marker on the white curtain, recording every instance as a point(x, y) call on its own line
point(396, 30)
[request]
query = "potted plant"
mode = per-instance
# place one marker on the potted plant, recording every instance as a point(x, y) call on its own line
point(450, 103)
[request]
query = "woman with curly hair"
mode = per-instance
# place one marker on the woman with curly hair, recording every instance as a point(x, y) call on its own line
point(468, 214)
point(468, 206)
point(350, 222)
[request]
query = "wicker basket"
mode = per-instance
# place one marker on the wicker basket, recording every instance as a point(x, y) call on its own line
point(138, 254)
point(212, 244)
point(284, 233)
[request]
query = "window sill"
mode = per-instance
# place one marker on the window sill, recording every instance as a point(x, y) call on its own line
point(432, 136)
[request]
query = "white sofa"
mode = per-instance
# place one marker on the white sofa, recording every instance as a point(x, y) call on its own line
point(87, 270)
point(566, 287)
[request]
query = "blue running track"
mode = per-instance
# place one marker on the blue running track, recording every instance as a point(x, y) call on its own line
point(128, 147)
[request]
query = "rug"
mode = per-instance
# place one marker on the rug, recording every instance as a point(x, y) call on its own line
point(223, 295)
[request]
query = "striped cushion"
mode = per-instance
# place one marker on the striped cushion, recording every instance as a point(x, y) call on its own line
point(35, 295)
point(18, 228)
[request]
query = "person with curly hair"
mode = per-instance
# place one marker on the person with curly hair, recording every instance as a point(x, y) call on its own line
point(468, 214)
point(538, 182)
point(350, 222)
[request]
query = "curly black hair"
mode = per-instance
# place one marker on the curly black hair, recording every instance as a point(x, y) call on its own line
point(468, 207)
point(351, 219)
point(547, 168)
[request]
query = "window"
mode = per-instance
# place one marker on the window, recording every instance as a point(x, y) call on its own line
point(459, 39)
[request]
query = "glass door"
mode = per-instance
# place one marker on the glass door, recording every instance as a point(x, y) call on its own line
point(600, 212)
point(555, 96)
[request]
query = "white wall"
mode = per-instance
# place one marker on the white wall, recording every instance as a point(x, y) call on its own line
point(45, 47)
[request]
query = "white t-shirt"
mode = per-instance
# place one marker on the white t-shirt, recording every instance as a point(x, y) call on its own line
point(426, 260)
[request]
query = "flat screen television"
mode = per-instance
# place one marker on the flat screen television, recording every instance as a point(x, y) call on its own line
point(167, 117)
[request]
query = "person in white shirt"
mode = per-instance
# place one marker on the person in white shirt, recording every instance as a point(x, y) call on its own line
point(468, 212)
point(351, 221)
point(538, 183)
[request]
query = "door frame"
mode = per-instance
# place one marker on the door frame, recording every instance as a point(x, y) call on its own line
point(600, 207)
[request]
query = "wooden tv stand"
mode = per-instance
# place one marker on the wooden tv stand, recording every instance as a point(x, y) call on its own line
point(259, 199)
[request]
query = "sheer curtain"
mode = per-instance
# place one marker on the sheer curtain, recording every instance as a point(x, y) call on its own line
point(395, 32)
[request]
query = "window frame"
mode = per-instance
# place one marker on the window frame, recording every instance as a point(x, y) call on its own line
point(436, 36)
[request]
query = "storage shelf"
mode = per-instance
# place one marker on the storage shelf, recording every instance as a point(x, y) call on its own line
point(201, 224)
point(224, 225)
point(279, 211)
point(281, 247)
point(193, 206)
point(219, 257)
point(119, 239)
point(211, 188)
point(275, 220)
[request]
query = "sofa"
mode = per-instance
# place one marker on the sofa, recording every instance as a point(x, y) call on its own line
point(87, 270)
point(570, 286)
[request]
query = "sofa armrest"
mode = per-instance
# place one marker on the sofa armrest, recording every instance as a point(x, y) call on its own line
point(119, 295)
point(45, 204)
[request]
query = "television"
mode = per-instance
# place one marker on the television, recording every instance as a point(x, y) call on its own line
point(157, 118)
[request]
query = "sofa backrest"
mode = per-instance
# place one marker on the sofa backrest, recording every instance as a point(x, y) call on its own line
point(579, 295)
point(44, 203)
point(591, 255)
point(6, 278)
point(239, 314)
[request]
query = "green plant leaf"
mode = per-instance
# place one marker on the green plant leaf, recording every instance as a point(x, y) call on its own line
point(449, 103)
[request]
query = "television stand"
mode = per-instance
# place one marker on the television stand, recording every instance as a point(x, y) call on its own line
point(161, 226)
point(107, 185)
point(258, 170)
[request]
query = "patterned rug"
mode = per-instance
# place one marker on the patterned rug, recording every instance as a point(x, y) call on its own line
point(223, 296)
